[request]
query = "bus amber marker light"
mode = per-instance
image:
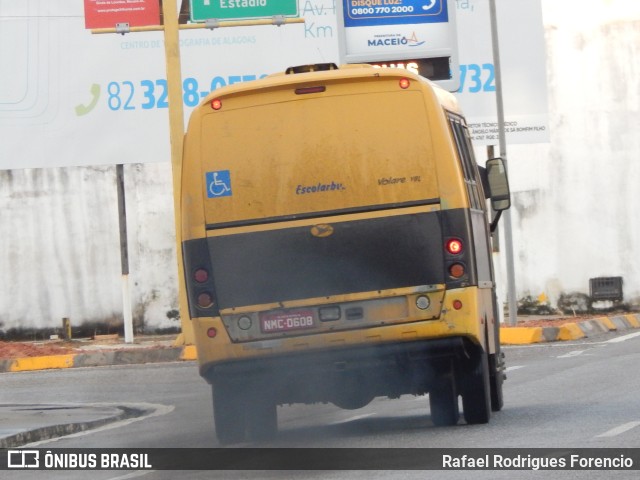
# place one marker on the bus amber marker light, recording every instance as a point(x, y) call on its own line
point(205, 300)
point(456, 270)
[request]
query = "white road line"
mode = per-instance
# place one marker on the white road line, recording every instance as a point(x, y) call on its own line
point(514, 367)
point(137, 474)
point(619, 430)
point(157, 410)
point(352, 419)
point(574, 353)
point(623, 338)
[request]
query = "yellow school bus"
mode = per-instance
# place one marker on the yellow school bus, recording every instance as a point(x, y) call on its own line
point(336, 247)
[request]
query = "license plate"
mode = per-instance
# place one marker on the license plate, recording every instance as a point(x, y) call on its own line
point(276, 322)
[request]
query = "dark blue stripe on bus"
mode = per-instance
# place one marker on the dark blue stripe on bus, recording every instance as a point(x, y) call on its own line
point(358, 256)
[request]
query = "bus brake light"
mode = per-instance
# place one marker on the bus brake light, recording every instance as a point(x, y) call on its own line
point(201, 275)
point(307, 90)
point(454, 246)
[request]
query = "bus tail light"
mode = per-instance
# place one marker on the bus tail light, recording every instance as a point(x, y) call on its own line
point(205, 300)
point(457, 305)
point(200, 287)
point(212, 332)
point(457, 270)
point(201, 275)
point(307, 90)
point(454, 246)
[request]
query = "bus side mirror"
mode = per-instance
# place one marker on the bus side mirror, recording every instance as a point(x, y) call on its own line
point(497, 184)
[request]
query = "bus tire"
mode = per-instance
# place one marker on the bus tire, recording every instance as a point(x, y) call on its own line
point(228, 414)
point(476, 396)
point(443, 401)
point(262, 420)
point(497, 379)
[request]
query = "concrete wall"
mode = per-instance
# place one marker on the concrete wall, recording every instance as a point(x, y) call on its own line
point(575, 212)
point(576, 199)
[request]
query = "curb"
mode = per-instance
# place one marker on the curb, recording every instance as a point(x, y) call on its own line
point(508, 336)
point(58, 430)
point(99, 359)
point(569, 330)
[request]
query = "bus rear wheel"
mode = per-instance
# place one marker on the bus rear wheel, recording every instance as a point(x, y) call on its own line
point(262, 420)
point(443, 401)
point(476, 395)
point(239, 414)
point(496, 372)
point(228, 414)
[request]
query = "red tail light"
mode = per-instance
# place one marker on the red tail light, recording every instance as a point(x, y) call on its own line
point(201, 275)
point(306, 90)
point(454, 246)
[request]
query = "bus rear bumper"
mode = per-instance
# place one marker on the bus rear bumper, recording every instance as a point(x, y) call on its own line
point(349, 377)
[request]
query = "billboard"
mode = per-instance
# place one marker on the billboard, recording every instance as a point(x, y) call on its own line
point(524, 75)
point(70, 98)
point(391, 31)
point(107, 13)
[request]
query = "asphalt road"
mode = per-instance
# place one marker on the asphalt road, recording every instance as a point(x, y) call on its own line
point(563, 394)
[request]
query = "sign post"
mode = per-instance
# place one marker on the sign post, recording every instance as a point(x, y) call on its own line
point(207, 9)
point(508, 229)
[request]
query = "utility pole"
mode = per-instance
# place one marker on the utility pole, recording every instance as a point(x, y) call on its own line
point(171, 29)
point(508, 232)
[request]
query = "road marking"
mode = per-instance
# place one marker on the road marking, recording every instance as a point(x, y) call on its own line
point(352, 419)
point(623, 338)
point(619, 430)
point(514, 367)
point(574, 353)
point(137, 474)
point(157, 410)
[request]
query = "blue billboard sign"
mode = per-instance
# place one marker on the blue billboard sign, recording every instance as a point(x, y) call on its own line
point(367, 13)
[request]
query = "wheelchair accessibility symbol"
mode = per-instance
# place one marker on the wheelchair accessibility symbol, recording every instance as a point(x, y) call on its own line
point(218, 184)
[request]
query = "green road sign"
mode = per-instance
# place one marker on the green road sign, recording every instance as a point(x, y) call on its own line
point(202, 10)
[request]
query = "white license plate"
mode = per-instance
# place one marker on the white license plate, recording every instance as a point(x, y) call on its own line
point(275, 322)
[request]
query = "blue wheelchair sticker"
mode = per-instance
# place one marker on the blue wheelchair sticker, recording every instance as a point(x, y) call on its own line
point(218, 184)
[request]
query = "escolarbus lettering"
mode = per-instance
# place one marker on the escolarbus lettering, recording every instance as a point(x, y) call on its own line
point(320, 187)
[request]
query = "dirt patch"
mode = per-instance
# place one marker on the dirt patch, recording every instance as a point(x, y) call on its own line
point(9, 350)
